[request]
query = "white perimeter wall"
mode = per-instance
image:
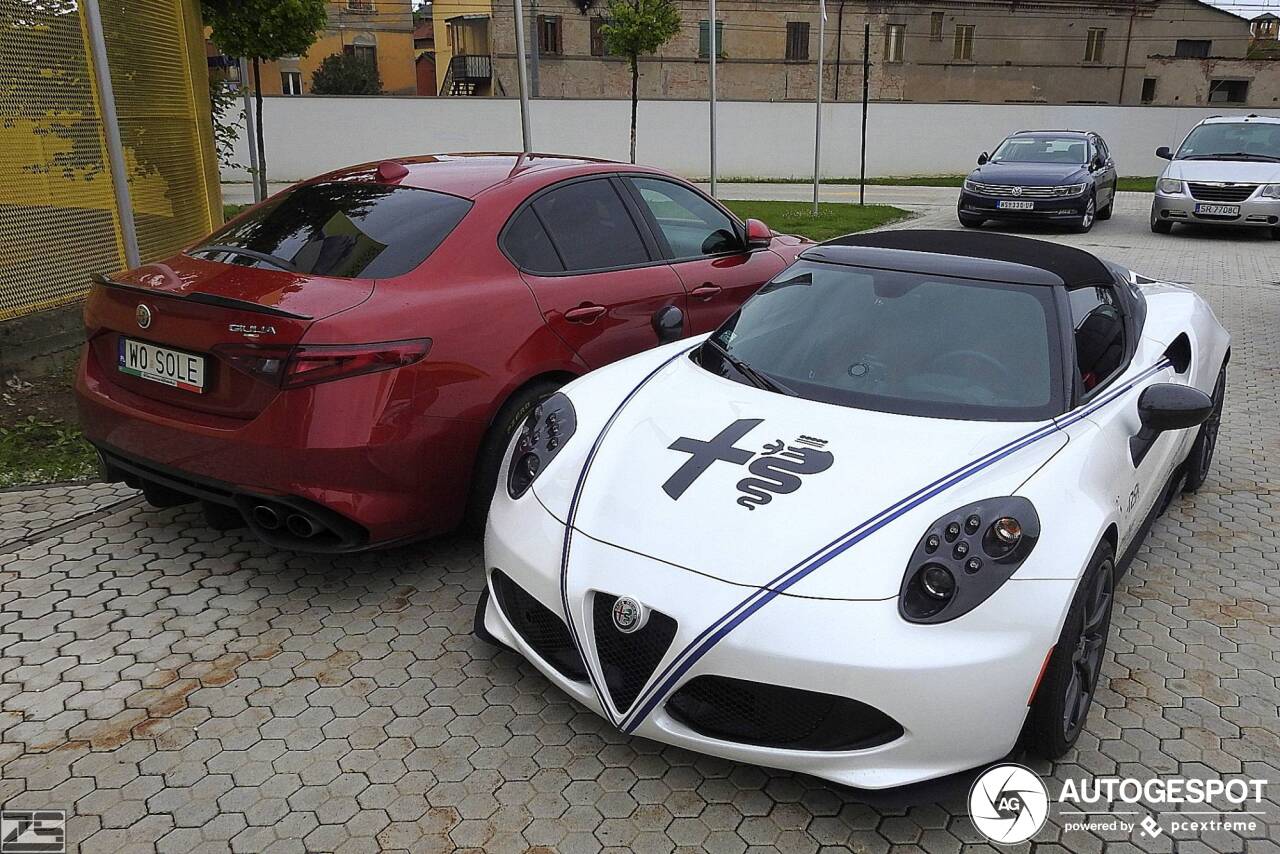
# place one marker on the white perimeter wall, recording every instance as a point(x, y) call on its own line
point(309, 135)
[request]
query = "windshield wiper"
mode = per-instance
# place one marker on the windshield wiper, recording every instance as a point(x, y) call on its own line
point(219, 249)
point(1228, 155)
point(756, 378)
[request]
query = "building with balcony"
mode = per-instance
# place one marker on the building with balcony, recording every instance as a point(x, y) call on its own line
point(987, 51)
point(464, 48)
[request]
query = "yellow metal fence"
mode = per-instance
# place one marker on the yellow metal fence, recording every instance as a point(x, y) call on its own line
point(58, 217)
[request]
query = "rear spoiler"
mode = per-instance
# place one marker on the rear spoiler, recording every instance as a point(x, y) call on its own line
point(203, 299)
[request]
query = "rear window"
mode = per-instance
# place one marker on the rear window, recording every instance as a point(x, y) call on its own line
point(354, 230)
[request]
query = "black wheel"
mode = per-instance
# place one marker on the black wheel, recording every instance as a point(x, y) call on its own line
point(969, 221)
point(1105, 213)
point(489, 460)
point(1066, 692)
point(1085, 224)
point(1275, 233)
point(1201, 455)
point(1160, 226)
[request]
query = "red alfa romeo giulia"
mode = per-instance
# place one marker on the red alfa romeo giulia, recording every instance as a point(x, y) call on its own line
point(342, 366)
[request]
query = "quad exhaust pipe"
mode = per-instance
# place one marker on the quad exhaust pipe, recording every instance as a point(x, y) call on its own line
point(266, 517)
point(271, 518)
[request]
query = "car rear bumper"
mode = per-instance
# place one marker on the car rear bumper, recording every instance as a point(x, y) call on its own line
point(1254, 212)
point(958, 691)
point(974, 204)
point(353, 454)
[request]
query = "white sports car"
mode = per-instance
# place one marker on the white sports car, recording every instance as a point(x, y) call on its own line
point(869, 529)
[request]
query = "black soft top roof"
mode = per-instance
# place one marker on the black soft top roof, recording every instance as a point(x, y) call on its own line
point(1001, 257)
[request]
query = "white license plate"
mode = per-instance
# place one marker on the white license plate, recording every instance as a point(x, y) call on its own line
point(1218, 210)
point(162, 365)
point(1016, 206)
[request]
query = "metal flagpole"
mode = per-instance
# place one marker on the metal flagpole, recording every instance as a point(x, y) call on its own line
point(817, 124)
point(866, 89)
point(711, 29)
point(522, 74)
point(111, 129)
point(250, 129)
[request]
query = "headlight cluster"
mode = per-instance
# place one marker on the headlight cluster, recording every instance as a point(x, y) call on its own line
point(965, 557)
point(1171, 186)
point(1072, 189)
point(1270, 191)
point(543, 434)
point(970, 186)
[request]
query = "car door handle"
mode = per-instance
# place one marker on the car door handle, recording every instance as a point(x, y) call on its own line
point(585, 314)
point(704, 293)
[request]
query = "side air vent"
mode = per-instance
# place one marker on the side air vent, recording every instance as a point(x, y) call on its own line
point(540, 627)
point(1179, 352)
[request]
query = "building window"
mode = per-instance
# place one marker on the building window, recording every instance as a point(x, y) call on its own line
point(935, 26)
point(291, 82)
point(797, 40)
point(964, 41)
point(597, 37)
point(1192, 48)
point(895, 41)
point(1148, 90)
point(1228, 91)
point(364, 6)
point(1093, 45)
point(549, 34)
point(704, 39)
point(365, 47)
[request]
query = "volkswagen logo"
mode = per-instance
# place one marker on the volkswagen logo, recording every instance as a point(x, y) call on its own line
point(628, 615)
point(143, 316)
point(1017, 191)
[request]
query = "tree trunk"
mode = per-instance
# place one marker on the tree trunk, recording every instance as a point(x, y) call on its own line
point(635, 88)
point(261, 177)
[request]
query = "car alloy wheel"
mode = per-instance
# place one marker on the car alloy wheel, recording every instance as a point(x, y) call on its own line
point(1086, 657)
point(1090, 213)
point(1201, 455)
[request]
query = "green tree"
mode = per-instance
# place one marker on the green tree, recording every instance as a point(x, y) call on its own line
point(263, 30)
point(635, 28)
point(346, 74)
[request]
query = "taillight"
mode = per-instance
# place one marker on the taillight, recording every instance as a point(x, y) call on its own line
point(308, 364)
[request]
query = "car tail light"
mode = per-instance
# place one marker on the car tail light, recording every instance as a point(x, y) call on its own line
point(308, 364)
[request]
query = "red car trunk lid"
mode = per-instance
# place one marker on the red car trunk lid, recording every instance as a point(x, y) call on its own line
point(194, 306)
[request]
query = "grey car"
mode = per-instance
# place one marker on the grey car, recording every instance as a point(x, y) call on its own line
point(1226, 172)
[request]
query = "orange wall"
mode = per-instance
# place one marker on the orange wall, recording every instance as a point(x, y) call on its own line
point(395, 62)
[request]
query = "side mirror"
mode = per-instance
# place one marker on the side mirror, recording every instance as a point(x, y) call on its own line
point(1167, 406)
point(983, 158)
point(759, 235)
point(1164, 153)
point(668, 324)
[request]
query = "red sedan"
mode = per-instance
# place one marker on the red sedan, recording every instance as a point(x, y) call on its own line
point(343, 365)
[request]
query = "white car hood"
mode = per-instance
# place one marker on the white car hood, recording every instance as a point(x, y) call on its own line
point(727, 523)
point(1234, 171)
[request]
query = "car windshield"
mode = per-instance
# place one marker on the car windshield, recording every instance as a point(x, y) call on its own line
point(1232, 141)
point(908, 343)
point(1042, 149)
point(339, 228)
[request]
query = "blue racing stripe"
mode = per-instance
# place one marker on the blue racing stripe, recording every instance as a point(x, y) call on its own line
point(713, 634)
point(568, 532)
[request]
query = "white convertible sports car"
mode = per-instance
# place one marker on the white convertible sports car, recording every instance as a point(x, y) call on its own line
point(869, 529)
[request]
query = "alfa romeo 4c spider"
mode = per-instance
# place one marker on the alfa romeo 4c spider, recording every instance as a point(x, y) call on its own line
point(869, 528)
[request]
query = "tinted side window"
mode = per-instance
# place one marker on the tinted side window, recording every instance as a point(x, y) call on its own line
point(343, 228)
point(691, 225)
point(527, 243)
point(1099, 334)
point(591, 227)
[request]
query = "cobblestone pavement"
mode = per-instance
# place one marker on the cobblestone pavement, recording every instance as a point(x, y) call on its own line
point(179, 689)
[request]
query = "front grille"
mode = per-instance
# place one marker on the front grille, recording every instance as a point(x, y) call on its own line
point(628, 660)
point(1012, 191)
point(776, 716)
point(1216, 193)
point(539, 626)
